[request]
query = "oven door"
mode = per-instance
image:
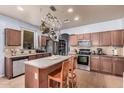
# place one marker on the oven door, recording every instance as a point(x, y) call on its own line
point(83, 59)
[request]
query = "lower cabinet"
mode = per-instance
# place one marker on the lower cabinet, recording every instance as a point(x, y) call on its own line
point(95, 63)
point(31, 57)
point(118, 66)
point(15, 66)
point(106, 64)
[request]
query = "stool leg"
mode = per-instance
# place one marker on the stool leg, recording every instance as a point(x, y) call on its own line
point(61, 85)
point(48, 82)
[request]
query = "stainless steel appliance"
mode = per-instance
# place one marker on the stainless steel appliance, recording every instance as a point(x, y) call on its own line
point(84, 59)
point(84, 43)
point(52, 47)
point(19, 66)
point(99, 51)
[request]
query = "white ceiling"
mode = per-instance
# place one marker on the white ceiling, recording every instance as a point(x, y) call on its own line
point(88, 13)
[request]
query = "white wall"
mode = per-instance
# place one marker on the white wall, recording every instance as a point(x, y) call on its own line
point(7, 22)
point(97, 27)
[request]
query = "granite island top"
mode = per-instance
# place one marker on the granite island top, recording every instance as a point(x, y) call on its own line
point(43, 63)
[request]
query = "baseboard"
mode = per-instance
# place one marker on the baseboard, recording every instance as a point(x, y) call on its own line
point(2, 75)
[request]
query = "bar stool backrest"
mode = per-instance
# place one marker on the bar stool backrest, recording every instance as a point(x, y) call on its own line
point(64, 71)
point(73, 63)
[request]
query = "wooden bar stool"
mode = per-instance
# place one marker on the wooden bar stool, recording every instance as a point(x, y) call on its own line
point(60, 75)
point(72, 73)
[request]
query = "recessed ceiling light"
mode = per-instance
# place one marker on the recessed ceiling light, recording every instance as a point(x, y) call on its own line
point(70, 10)
point(20, 8)
point(76, 18)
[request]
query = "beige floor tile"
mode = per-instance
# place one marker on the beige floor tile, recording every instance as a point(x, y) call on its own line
point(85, 79)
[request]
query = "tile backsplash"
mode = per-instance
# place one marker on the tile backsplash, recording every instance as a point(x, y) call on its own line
point(107, 50)
point(18, 50)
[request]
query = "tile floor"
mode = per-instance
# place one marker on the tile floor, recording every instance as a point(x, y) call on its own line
point(85, 80)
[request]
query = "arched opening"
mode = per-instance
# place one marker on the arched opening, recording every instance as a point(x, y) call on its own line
point(64, 44)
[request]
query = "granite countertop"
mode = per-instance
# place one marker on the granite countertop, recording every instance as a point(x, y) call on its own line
point(24, 55)
point(43, 63)
point(119, 56)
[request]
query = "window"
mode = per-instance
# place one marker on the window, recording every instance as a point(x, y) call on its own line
point(28, 40)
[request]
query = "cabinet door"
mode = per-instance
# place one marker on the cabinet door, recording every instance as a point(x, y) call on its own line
point(40, 56)
point(117, 38)
point(87, 36)
point(106, 64)
point(95, 39)
point(105, 38)
point(31, 57)
point(12, 37)
point(80, 37)
point(118, 66)
point(73, 40)
point(95, 63)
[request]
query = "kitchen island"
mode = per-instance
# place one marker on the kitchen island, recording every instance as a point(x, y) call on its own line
point(36, 71)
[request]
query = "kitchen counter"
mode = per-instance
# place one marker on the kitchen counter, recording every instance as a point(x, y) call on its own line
point(10, 61)
point(43, 63)
point(24, 55)
point(37, 71)
point(109, 56)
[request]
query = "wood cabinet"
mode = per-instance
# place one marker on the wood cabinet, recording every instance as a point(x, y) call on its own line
point(95, 63)
point(43, 55)
point(117, 38)
point(14, 66)
point(32, 57)
point(80, 37)
point(43, 41)
point(73, 40)
point(9, 61)
point(95, 39)
point(12, 37)
point(118, 66)
point(87, 36)
point(105, 38)
point(106, 64)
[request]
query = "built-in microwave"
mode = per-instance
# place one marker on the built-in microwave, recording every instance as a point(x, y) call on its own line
point(84, 43)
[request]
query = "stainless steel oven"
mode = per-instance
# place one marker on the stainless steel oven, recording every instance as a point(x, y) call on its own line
point(84, 59)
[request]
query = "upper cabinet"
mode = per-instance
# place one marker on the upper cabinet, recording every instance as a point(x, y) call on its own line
point(108, 38)
point(95, 39)
point(12, 37)
point(80, 37)
point(87, 36)
point(43, 41)
point(117, 38)
point(105, 38)
point(73, 40)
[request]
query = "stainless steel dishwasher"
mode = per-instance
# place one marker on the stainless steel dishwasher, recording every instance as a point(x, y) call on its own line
point(19, 66)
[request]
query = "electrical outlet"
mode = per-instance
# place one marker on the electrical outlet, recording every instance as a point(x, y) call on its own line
point(36, 76)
